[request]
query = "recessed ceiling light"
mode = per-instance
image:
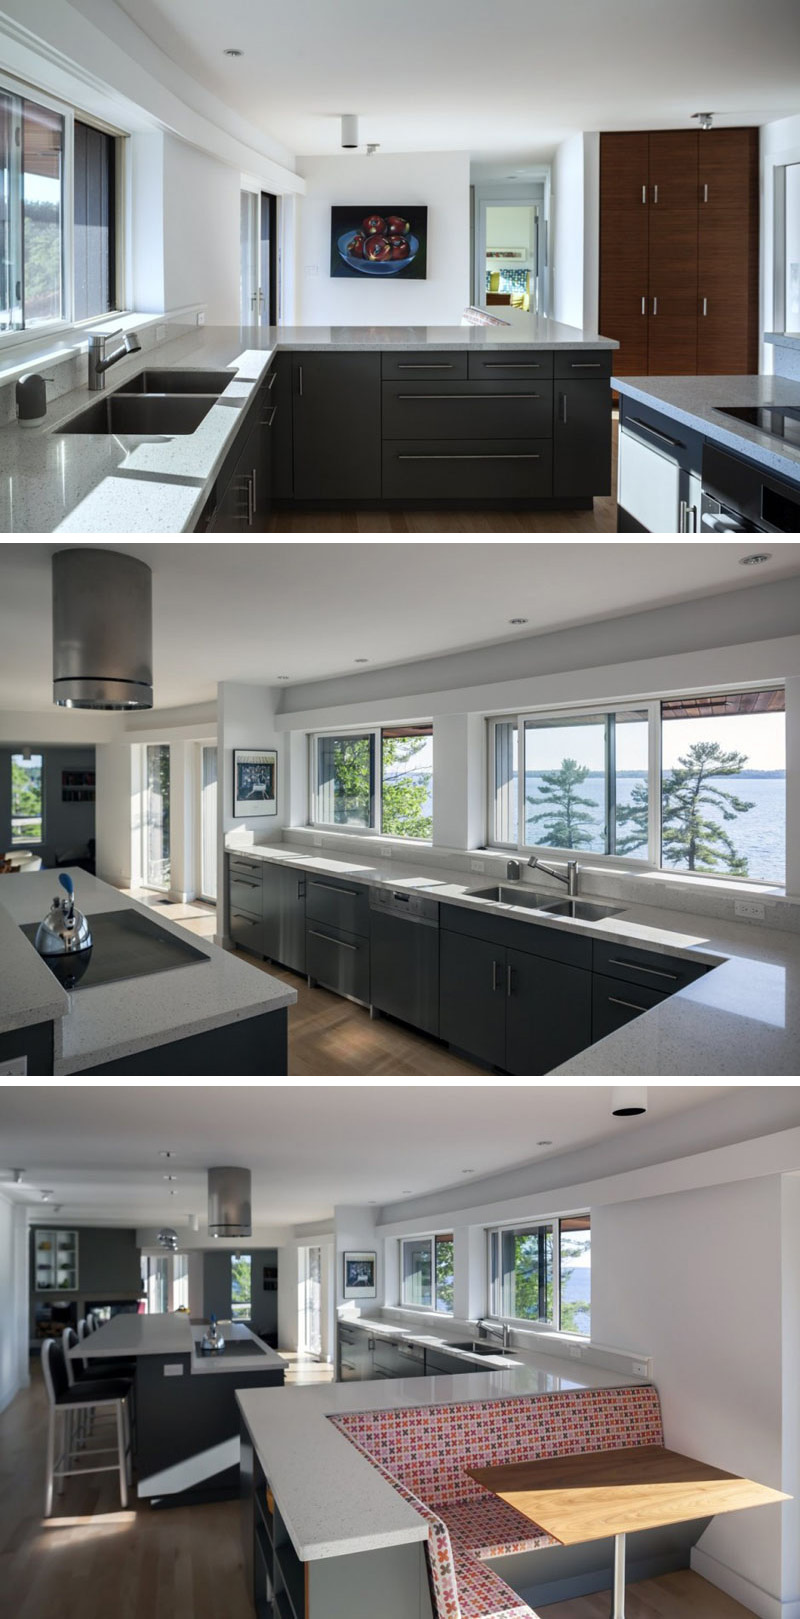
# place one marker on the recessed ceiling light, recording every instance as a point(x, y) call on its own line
point(164, 1153)
point(544, 1143)
point(169, 1177)
point(232, 51)
point(281, 677)
point(518, 621)
point(407, 1192)
point(755, 558)
point(361, 660)
point(173, 1193)
point(468, 1172)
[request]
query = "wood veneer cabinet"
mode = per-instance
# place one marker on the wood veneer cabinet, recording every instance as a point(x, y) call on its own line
point(679, 250)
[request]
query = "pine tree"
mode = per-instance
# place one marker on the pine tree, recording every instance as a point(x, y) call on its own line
point(688, 837)
point(404, 798)
point(567, 823)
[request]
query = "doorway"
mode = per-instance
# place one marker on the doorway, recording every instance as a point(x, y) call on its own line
point(510, 248)
point(208, 822)
point(310, 1314)
point(258, 246)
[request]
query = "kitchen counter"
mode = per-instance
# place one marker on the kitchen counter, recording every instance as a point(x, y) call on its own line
point(118, 484)
point(331, 1499)
point(111, 1021)
point(127, 1336)
point(741, 1018)
point(552, 1376)
point(693, 401)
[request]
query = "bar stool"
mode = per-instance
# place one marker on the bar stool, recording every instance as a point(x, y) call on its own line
point(68, 1402)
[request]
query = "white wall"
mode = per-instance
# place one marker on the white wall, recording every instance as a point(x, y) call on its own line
point(575, 231)
point(13, 1300)
point(355, 1233)
point(246, 719)
point(201, 233)
point(780, 143)
point(438, 179)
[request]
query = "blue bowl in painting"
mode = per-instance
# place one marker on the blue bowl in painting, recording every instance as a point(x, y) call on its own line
point(367, 266)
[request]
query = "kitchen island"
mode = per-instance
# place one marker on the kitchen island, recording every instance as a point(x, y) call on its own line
point(210, 1015)
point(314, 415)
point(187, 1438)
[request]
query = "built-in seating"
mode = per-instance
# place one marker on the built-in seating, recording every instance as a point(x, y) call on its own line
point(425, 1453)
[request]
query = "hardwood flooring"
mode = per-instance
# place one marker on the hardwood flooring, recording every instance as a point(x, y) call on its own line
point(684, 1595)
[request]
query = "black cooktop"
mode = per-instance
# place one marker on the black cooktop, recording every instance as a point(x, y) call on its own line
point(780, 421)
point(125, 944)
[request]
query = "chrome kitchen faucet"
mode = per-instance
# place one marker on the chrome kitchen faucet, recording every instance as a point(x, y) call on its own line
point(100, 362)
point(571, 878)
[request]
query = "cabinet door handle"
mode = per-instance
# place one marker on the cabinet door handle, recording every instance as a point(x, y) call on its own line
point(562, 400)
point(255, 497)
point(613, 1000)
point(644, 195)
point(495, 971)
point(674, 442)
point(644, 306)
point(509, 980)
point(494, 457)
point(655, 306)
point(705, 193)
point(272, 381)
point(635, 966)
point(684, 508)
point(705, 306)
point(655, 195)
point(301, 888)
point(268, 420)
point(340, 943)
point(315, 883)
point(481, 397)
point(300, 381)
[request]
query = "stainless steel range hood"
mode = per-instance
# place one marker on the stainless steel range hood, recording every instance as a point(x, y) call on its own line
point(102, 630)
point(230, 1202)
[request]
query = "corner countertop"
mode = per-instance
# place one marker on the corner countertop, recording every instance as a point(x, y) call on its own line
point(741, 1018)
point(694, 401)
point(94, 1026)
point(551, 1371)
point(97, 483)
point(127, 1336)
point(331, 1498)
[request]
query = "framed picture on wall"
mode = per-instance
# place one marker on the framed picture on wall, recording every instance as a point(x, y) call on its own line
point(360, 1276)
point(255, 781)
point(384, 243)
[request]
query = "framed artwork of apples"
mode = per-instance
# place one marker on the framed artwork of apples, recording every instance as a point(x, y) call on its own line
point(379, 242)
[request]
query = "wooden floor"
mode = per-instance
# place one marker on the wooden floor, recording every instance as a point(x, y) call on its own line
point(91, 1560)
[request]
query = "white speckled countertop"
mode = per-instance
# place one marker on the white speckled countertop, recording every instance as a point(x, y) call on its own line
point(741, 1018)
point(331, 1498)
point(694, 401)
point(117, 1020)
point(96, 483)
point(126, 1335)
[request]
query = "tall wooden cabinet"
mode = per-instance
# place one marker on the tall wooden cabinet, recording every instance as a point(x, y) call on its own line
point(679, 251)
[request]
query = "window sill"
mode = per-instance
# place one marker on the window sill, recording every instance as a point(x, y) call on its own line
point(62, 343)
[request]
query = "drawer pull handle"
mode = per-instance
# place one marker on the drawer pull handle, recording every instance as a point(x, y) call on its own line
point(315, 883)
point(272, 381)
point(585, 365)
point(430, 365)
point(674, 442)
point(237, 917)
point(635, 966)
point(469, 457)
point(328, 940)
point(243, 883)
point(469, 396)
point(634, 1006)
point(268, 420)
point(512, 365)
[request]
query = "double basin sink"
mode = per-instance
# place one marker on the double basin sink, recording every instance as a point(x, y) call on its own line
point(580, 910)
point(153, 404)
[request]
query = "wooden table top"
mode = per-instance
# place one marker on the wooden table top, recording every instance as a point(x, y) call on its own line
point(615, 1492)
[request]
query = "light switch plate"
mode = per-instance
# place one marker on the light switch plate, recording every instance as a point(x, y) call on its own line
point(753, 908)
point(201, 318)
point(477, 865)
point(173, 1370)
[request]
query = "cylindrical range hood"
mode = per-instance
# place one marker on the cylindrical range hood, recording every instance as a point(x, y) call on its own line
point(229, 1202)
point(102, 630)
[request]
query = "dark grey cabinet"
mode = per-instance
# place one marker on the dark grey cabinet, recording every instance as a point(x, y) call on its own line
point(339, 903)
point(245, 903)
point(284, 916)
point(336, 417)
point(614, 1004)
point(548, 1013)
point(354, 1354)
point(338, 960)
point(466, 410)
point(581, 437)
point(472, 1009)
point(467, 469)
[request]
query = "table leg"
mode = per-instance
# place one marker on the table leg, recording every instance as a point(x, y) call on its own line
point(618, 1605)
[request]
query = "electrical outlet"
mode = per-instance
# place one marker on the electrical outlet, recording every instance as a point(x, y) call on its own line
point(477, 865)
point(161, 332)
point(574, 1352)
point(749, 907)
point(385, 851)
point(639, 1368)
point(201, 318)
point(317, 841)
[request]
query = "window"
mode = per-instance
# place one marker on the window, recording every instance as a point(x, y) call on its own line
point(156, 862)
point(427, 1273)
point(241, 1287)
point(592, 782)
point(375, 781)
point(540, 1274)
point(94, 221)
point(26, 798)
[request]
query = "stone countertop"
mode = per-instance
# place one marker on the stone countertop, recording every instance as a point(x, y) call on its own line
point(331, 1498)
point(741, 1018)
point(126, 1336)
point(783, 340)
point(551, 1371)
point(694, 401)
point(95, 1026)
point(97, 483)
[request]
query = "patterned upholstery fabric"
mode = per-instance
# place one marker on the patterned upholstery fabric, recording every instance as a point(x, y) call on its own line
point(425, 1451)
point(508, 280)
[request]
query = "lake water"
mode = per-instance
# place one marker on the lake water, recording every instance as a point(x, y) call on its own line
point(576, 1287)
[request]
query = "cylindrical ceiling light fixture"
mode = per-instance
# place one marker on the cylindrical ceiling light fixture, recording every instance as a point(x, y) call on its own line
point(628, 1100)
point(102, 630)
point(230, 1202)
point(349, 130)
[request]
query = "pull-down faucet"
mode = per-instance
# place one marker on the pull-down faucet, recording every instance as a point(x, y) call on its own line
point(571, 878)
point(495, 1329)
point(100, 362)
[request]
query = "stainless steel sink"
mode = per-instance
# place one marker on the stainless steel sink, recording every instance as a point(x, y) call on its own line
point(582, 910)
point(512, 894)
point(161, 380)
point(475, 1348)
point(142, 415)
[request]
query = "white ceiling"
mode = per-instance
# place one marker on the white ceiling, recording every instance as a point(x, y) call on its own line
point(457, 76)
point(254, 611)
point(97, 1148)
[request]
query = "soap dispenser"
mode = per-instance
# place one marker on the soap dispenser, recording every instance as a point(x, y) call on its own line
point(31, 396)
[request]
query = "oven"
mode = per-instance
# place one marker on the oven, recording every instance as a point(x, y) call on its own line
point(740, 497)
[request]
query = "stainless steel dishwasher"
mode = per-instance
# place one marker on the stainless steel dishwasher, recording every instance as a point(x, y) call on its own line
point(404, 956)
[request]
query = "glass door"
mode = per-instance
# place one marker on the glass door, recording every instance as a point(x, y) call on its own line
point(156, 862)
point(208, 823)
point(249, 255)
point(311, 1301)
point(268, 260)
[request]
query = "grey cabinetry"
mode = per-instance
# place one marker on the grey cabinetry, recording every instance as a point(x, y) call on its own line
point(582, 424)
point(628, 982)
point(472, 1014)
point(284, 914)
point(393, 1357)
point(243, 496)
point(548, 1012)
point(337, 936)
point(336, 415)
point(245, 896)
point(355, 1354)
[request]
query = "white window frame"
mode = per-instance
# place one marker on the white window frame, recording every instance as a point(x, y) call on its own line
point(27, 336)
point(522, 1323)
point(33, 843)
point(431, 1237)
point(591, 857)
point(376, 830)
